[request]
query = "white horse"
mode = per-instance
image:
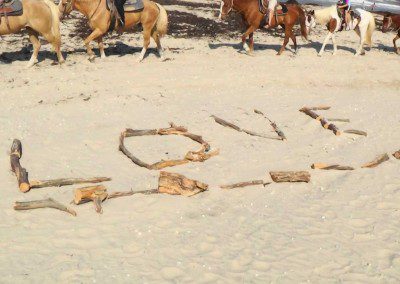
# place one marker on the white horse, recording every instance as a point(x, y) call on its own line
point(363, 25)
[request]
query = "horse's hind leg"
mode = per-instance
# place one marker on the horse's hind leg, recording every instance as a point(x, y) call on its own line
point(160, 51)
point(293, 37)
point(33, 37)
point(334, 44)
point(249, 31)
point(251, 42)
point(396, 49)
point(101, 47)
point(324, 44)
point(146, 42)
point(288, 34)
point(362, 32)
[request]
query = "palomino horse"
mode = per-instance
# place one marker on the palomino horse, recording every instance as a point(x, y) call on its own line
point(253, 18)
point(39, 17)
point(153, 18)
point(392, 22)
point(363, 25)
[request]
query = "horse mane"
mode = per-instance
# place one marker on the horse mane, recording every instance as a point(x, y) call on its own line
point(323, 16)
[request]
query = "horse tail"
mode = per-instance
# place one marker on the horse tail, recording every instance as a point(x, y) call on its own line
point(55, 21)
point(370, 30)
point(303, 27)
point(162, 21)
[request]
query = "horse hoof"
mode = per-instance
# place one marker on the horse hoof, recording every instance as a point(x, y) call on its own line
point(92, 58)
point(319, 55)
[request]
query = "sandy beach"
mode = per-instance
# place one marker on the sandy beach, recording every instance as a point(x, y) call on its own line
point(343, 226)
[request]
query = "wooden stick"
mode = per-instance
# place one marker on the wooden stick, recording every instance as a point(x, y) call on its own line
point(319, 108)
point(18, 170)
point(274, 126)
point(378, 160)
point(66, 181)
point(45, 203)
point(177, 184)
point(325, 124)
point(237, 128)
point(97, 194)
point(320, 166)
point(244, 184)
point(191, 156)
point(357, 132)
point(339, 119)
point(397, 155)
point(302, 176)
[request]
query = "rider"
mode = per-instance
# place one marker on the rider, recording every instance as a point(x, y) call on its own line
point(271, 9)
point(344, 5)
point(119, 4)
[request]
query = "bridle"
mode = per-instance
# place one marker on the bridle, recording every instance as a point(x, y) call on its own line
point(230, 7)
point(68, 6)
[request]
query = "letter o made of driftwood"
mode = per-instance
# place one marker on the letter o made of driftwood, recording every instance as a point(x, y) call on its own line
point(192, 156)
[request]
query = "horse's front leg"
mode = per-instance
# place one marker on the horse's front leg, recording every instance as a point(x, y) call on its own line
point(101, 47)
point(251, 42)
point(33, 37)
point(249, 31)
point(362, 33)
point(95, 34)
point(324, 44)
point(334, 44)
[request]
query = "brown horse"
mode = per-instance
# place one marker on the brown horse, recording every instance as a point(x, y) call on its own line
point(153, 18)
point(39, 17)
point(392, 22)
point(253, 19)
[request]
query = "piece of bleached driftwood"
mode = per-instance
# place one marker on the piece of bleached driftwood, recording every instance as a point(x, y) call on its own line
point(320, 166)
point(45, 203)
point(192, 156)
point(273, 125)
point(18, 170)
point(377, 161)
point(237, 128)
point(66, 181)
point(96, 194)
point(290, 176)
point(325, 124)
point(319, 107)
point(244, 184)
point(176, 184)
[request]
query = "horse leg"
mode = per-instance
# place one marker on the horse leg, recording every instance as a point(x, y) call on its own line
point(286, 41)
point(156, 38)
point(362, 32)
point(33, 37)
point(396, 49)
point(334, 44)
point(249, 31)
point(293, 37)
point(251, 42)
point(101, 47)
point(324, 44)
point(146, 42)
point(95, 34)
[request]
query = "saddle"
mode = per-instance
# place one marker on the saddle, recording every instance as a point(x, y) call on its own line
point(10, 8)
point(129, 6)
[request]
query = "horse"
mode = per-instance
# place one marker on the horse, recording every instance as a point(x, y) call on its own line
point(363, 25)
point(392, 22)
point(153, 18)
point(39, 17)
point(249, 9)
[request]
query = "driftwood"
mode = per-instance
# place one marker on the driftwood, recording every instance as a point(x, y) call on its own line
point(357, 132)
point(66, 181)
point(397, 155)
point(325, 124)
point(320, 166)
point(273, 124)
point(237, 128)
point(319, 108)
point(176, 184)
point(192, 156)
point(244, 184)
point(45, 203)
point(378, 160)
point(97, 194)
point(19, 171)
point(302, 176)
point(339, 119)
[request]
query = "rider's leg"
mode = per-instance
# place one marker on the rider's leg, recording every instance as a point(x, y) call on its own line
point(271, 9)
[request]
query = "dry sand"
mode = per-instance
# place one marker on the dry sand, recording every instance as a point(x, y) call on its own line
point(342, 226)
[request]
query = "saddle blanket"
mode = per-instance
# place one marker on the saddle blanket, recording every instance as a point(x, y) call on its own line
point(129, 6)
point(10, 8)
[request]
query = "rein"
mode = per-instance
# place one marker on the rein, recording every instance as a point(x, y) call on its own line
point(69, 4)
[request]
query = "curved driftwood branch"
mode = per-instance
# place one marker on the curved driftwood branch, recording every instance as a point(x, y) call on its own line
point(191, 156)
point(237, 128)
point(378, 160)
point(18, 170)
point(325, 124)
point(45, 203)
